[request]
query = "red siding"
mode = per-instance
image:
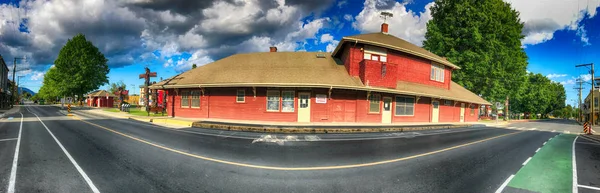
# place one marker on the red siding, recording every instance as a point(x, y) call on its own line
point(343, 106)
point(471, 117)
point(422, 112)
point(371, 74)
point(352, 56)
point(449, 113)
point(418, 70)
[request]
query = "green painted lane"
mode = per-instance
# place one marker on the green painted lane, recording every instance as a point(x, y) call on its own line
point(550, 169)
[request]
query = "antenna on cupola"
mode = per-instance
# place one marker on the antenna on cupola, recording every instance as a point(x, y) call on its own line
point(385, 15)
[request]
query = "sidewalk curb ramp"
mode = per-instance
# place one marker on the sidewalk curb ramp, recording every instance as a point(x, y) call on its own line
point(320, 128)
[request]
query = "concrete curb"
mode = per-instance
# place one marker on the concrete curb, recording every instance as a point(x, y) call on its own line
point(320, 129)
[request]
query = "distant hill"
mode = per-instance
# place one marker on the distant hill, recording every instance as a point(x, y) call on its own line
point(23, 89)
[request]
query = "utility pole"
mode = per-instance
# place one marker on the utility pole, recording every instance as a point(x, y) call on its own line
point(580, 82)
point(14, 71)
point(591, 93)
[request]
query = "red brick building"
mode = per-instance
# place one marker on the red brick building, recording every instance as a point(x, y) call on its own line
point(373, 77)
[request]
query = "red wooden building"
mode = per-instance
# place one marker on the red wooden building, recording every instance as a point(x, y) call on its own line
point(373, 77)
point(100, 98)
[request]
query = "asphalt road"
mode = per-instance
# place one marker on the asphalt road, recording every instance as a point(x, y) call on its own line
point(90, 153)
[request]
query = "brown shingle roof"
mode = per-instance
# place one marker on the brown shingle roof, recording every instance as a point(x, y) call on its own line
point(279, 68)
point(296, 69)
point(395, 43)
point(101, 93)
point(456, 92)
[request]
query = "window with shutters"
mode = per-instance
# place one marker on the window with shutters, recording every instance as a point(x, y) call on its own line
point(437, 72)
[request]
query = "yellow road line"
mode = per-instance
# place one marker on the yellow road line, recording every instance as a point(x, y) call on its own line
point(297, 168)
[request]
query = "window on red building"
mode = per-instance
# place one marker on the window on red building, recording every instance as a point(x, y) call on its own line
point(273, 100)
point(437, 72)
point(405, 106)
point(374, 103)
point(195, 99)
point(472, 109)
point(287, 101)
point(240, 96)
point(185, 100)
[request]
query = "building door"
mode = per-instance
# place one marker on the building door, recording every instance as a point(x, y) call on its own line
point(303, 107)
point(462, 112)
point(435, 112)
point(386, 115)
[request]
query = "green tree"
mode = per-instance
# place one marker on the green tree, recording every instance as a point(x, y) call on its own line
point(79, 68)
point(114, 87)
point(194, 66)
point(484, 39)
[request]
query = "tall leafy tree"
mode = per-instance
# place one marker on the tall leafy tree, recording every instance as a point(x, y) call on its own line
point(79, 68)
point(484, 39)
point(116, 85)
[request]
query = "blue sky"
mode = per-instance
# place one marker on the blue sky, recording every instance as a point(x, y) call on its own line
point(170, 37)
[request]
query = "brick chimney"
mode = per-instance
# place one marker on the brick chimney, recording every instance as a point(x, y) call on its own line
point(273, 49)
point(384, 28)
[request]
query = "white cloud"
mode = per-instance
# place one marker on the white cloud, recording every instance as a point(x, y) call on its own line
point(38, 75)
point(543, 18)
point(586, 77)
point(348, 17)
point(582, 33)
point(326, 38)
point(405, 24)
point(568, 82)
point(551, 76)
point(330, 47)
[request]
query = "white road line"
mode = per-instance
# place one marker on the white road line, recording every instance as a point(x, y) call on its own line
point(574, 167)
point(85, 176)
point(567, 132)
point(13, 170)
point(9, 139)
point(544, 143)
point(505, 184)
point(533, 129)
point(588, 187)
point(537, 150)
point(553, 130)
point(526, 161)
point(512, 127)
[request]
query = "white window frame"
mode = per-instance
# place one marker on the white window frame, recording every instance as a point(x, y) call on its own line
point(405, 105)
point(293, 101)
point(185, 94)
point(437, 72)
point(195, 97)
point(379, 102)
point(237, 95)
point(380, 52)
point(271, 92)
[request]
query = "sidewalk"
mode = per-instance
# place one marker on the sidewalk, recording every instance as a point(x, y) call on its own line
point(156, 120)
point(9, 111)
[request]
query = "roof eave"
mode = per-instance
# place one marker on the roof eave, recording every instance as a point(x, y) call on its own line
point(348, 39)
point(361, 88)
